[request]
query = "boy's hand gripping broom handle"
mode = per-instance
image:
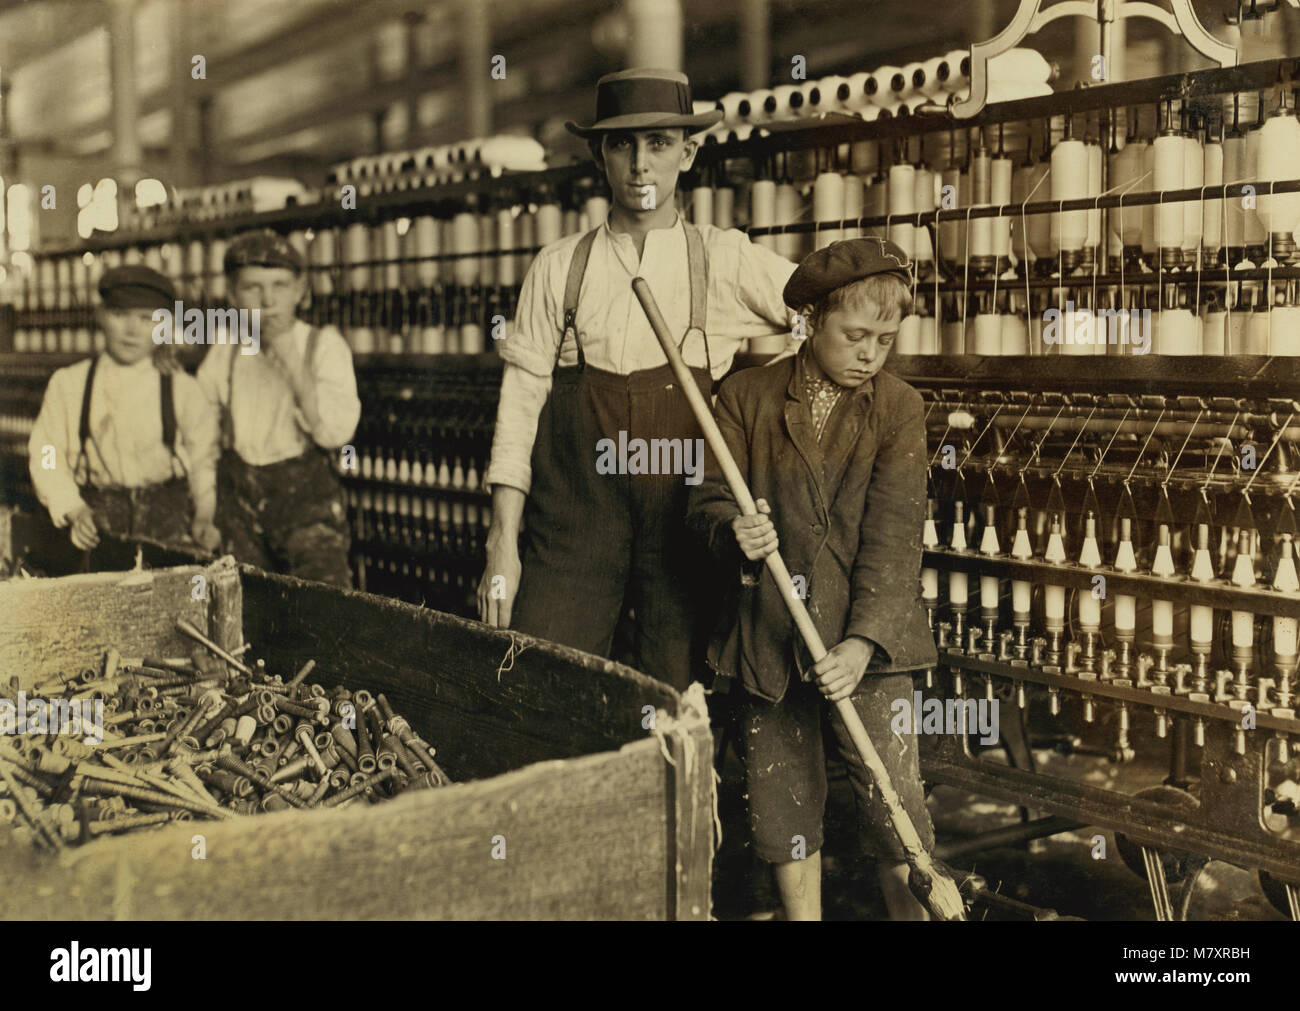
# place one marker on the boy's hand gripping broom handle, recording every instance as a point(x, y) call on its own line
point(931, 885)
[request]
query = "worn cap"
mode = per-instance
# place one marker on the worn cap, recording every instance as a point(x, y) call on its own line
point(263, 248)
point(136, 286)
point(842, 263)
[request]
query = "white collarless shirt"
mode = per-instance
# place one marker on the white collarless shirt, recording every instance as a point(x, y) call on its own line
point(268, 425)
point(744, 301)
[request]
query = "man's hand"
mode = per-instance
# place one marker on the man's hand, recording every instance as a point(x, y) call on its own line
point(205, 533)
point(81, 523)
point(496, 596)
point(839, 671)
point(755, 534)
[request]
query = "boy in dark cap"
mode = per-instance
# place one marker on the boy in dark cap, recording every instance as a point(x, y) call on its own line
point(837, 447)
point(285, 412)
point(583, 368)
point(125, 441)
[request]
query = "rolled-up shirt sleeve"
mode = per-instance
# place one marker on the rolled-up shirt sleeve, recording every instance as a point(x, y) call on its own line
point(760, 281)
point(529, 348)
point(200, 425)
point(56, 487)
point(337, 402)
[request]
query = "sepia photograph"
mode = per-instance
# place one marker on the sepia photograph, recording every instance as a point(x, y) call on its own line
point(505, 461)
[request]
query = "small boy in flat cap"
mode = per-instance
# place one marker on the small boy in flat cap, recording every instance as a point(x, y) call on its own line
point(837, 447)
point(285, 413)
point(126, 442)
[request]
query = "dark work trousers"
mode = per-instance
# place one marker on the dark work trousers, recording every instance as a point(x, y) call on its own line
point(289, 516)
point(597, 543)
point(162, 512)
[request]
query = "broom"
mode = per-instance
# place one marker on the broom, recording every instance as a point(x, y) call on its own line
point(931, 886)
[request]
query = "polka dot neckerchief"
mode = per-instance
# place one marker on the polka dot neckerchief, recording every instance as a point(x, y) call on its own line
point(823, 395)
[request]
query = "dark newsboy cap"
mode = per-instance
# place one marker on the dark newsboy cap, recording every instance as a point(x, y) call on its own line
point(842, 263)
point(263, 248)
point(136, 286)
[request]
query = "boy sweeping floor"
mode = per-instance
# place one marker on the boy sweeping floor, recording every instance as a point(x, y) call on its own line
point(837, 447)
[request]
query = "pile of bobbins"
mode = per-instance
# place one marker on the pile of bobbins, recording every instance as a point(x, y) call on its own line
point(202, 737)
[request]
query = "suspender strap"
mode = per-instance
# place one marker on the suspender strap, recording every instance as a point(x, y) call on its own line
point(83, 429)
point(572, 288)
point(168, 411)
point(697, 264)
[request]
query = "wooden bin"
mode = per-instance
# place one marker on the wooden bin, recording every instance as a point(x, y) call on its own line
point(596, 816)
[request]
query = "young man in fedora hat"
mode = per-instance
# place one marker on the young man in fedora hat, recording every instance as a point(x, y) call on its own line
point(584, 372)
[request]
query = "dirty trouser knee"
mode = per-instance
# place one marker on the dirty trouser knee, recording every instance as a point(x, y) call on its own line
point(289, 516)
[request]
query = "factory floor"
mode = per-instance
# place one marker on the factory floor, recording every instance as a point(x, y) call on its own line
point(1056, 873)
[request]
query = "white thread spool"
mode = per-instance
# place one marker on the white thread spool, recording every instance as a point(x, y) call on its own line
point(915, 81)
point(1193, 210)
point(1168, 153)
point(963, 200)
point(789, 207)
point(935, 73)
point(1015, 334)
point(876, 204)
point(890, 83)
point(862, 87)
point(572, 222)
point(929, 335)
point(815, 101)
point(958, 61)
point(465, 239)
point(730, 104)
point(1179, 333)
point(759, 106)
point(1286, 331)
point(1095, 155)
point(1234, 157)
point(1214, 332)
point(193, 267)
point(550, 224)
point(923, 202)
point(1257, 326)
point(1149, 210)
point(505, 229)
point(901, 195)
point(909, 335)
point(987, 338)
point(425, 230)
point(1278, 158)
point(836, 94)
point(216, 269)
point(828, 205)
point(356, 251)
point(952, 337)
point(1000, 177)
point(1069, 181)
point(724, 207)
point(762, 210)
point(854, 197)
point(702, 205)
point(525, 238)
point(1255, 232)
point(391, 254)
point(1125, 168)
point(1212, 176)
point(788, 102)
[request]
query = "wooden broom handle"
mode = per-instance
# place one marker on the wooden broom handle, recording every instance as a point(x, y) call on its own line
point(775, 565)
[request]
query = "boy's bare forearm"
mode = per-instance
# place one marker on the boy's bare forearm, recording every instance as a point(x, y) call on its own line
point(507, 515)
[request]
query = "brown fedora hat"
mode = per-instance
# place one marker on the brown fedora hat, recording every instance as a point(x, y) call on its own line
point(642, 99)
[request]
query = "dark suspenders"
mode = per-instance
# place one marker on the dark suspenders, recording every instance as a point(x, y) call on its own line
point(697, 261)
point(167, 405)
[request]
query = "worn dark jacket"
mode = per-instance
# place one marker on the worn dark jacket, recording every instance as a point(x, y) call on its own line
point(848, 513)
